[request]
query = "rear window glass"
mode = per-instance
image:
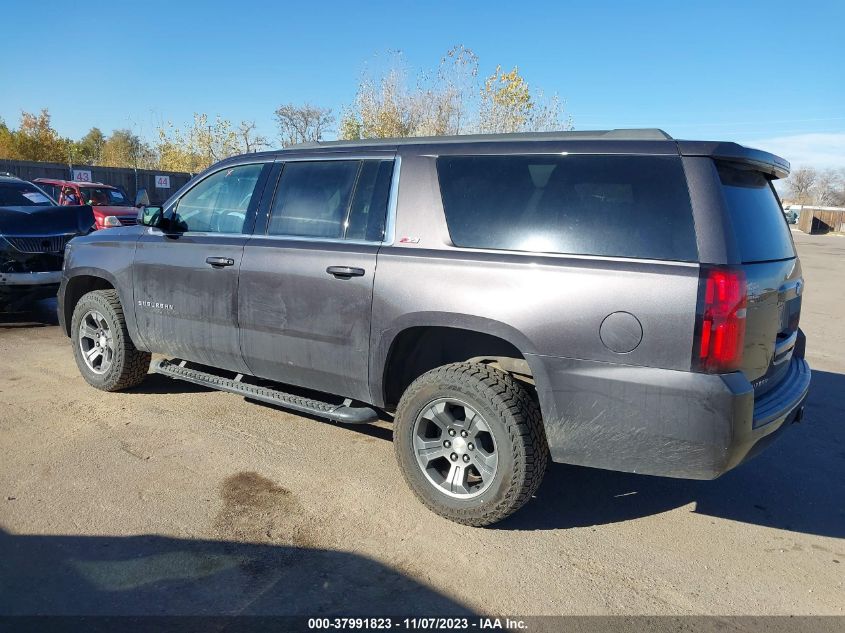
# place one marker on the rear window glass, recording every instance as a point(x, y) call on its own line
point(620, 206)
point(760, 227)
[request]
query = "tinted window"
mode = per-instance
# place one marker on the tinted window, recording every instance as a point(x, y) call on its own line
point(219, 203)
point(762, 233)
point(104, 197)
point(369, 205)
point(332, 199)
point(13, 194)
point(624, 206)
point(50, 190)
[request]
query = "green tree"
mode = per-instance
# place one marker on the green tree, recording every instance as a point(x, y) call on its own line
point(447, 101)
point(7, 141)
point(89, 149)
point(204, 142)
point(125, 149)
point(35, 139)
point(508, 105)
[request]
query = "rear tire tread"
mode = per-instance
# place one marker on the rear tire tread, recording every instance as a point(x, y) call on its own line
point(524, 422)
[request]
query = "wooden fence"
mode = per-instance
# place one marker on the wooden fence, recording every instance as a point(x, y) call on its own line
point(128, 179)
point(822, 220)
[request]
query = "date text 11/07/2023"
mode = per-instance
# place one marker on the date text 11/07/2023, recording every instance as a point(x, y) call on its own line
point(418, 623)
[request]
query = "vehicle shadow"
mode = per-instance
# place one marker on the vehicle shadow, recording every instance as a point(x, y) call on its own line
point(797, 484)
point(370, 430)
point(38, 314)
point(156, 575)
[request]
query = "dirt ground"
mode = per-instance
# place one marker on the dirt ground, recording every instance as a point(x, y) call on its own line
point(175, 499)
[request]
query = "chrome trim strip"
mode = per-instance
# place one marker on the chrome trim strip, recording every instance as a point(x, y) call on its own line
point(30, 279)
point(319, 158)
point(297, 238)
point(40, 235)
point(392, 200)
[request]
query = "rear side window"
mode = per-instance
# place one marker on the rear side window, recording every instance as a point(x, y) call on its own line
point(338, 199)
point(760, 227)
point(621, 206)
point(50, 190)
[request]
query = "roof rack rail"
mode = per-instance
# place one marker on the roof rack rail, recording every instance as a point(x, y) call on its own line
point(643, 134)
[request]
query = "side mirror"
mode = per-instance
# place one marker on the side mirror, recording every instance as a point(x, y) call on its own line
point(149, 216)
point(142, 199)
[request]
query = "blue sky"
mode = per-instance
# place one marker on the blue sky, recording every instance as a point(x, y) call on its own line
point(770, 73)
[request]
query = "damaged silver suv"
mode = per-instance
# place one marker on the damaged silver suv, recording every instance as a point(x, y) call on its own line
point(614, 299)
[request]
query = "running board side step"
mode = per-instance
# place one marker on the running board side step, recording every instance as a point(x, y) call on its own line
point(344, 412)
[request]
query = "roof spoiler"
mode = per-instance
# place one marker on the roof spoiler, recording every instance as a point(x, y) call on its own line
point(769, 164)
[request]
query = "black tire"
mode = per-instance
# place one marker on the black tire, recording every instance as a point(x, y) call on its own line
point(513, 418)
point(129, 365)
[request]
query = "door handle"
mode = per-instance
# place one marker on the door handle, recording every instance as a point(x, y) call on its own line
point(345, 271)
point(220, 262)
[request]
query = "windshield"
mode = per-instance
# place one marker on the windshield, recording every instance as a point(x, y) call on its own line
point(103, 197)
point(23, 194)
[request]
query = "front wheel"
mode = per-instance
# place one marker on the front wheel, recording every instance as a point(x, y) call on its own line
point(470, 443)
point(106, 356)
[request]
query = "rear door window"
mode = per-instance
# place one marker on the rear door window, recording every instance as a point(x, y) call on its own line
point(620, 206)
point(759, 225)
point(337, 199)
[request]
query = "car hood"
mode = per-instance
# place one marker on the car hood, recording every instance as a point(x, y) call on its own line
point(45, 220)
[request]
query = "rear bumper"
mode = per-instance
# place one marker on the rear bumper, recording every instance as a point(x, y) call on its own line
point(659, 421)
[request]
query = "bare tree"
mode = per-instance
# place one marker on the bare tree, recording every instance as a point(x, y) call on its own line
point(828, 187)
point(800, 185)
point(249, 139)
point(302, 123)
point(808, 185)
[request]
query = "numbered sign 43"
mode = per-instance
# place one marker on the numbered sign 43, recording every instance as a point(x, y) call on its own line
point(163, 182)
point(82, 175)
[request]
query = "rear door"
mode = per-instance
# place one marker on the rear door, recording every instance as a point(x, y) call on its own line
point(306, 283)
point(772, 271)
point(186, 277)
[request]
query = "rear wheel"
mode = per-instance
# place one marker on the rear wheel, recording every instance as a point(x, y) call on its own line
point(104, 353)
point(470, 443)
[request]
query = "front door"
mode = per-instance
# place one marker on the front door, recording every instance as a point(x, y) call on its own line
point(306, 284)
point(186, 276)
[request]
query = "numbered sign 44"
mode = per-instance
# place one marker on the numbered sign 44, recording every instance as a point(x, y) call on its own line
point(163, 182)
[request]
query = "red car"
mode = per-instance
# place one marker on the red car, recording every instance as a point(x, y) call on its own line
point(111, 205)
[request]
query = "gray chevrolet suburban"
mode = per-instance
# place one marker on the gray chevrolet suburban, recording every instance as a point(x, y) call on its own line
point(619, 299)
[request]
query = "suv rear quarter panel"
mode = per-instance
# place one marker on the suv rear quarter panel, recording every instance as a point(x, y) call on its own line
point(547, 306)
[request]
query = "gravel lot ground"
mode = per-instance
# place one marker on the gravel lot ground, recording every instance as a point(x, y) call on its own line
point(174, 499)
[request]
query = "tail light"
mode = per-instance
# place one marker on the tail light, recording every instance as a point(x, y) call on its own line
point(720, 322)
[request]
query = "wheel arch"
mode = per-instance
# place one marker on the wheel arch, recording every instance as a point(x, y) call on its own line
point(420, 344)
point(87, 280)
